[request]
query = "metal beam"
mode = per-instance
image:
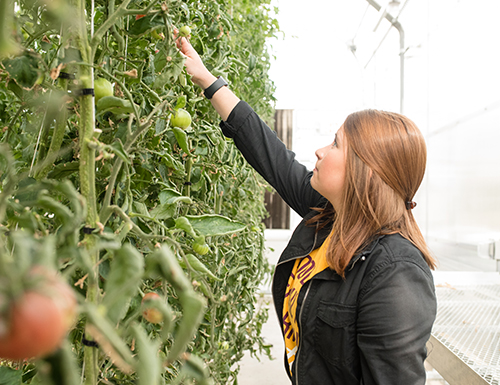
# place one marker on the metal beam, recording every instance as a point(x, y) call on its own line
point(396, 24)
point(450, 366)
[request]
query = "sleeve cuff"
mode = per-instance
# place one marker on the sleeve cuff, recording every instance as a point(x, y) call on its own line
point(237, 118)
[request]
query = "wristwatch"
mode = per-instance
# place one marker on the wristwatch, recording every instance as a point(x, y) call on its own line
point(214, 87)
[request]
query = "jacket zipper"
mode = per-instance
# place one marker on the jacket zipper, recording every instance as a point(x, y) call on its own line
point(300, 333)
point(302, 256)
point(307, 292)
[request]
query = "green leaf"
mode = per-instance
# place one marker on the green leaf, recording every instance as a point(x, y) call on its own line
point(167, 194)
point(28, 190)
point(64, 369)
point(18, 91)
point(182, 139)
point(145, 24)
point(149, 368)
point(171, 71)
point(181, 102)
point(212, 224)
point(163, 212)
point(141, 208)
point(119, 150)
point(114, 105)
point(9, 376)
point(23, 70)
point(200, 15)
point(168, 204)
point(182, 199)
point(170, 196)
point(63, 170)
point(184, 224)
point(121, 354)
point(200, 267)
point(172, 163)
point(123, 281)
point(160, 126)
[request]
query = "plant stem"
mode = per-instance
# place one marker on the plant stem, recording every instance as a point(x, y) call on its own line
point(110, 21)
point(57, 137)
point(187, 185)
point(87, 176)
point(132, 137)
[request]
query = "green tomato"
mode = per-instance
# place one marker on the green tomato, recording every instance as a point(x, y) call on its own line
point(180, 118)
point(185, 31)
point(200, 248)
point(102, 88)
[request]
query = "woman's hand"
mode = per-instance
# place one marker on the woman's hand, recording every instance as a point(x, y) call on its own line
point(224, 100)
point(194, 65)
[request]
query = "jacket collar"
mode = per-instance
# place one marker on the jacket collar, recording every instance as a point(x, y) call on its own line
point(305, 239)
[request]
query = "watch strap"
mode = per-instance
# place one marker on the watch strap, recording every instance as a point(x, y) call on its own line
point(214, 87)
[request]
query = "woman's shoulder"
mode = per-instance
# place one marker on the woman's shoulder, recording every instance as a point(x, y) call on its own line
point(395, 249)
point(394, 262)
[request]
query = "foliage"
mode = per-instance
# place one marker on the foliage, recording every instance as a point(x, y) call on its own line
point(121, 202)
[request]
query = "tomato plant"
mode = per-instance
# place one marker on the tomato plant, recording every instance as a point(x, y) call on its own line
point(109, 192)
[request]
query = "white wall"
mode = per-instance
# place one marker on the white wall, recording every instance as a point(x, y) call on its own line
point(452, 82)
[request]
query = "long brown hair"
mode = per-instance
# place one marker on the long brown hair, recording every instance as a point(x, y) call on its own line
point(385, 164)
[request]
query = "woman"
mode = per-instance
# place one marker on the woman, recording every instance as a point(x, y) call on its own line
point(353, 289)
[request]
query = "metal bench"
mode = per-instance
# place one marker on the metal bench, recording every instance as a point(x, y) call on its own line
point(465, 343)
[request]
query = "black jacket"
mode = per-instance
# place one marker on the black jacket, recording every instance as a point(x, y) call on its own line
point(369, 328)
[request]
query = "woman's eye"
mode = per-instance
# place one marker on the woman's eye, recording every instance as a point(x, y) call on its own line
point(334, 144)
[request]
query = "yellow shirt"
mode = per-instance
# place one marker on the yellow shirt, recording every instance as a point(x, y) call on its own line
point(303, 270)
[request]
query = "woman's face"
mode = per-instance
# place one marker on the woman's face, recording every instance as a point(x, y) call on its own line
point(329, 173)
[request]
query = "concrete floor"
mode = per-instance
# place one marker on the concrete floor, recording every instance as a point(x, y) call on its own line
point(265, 371)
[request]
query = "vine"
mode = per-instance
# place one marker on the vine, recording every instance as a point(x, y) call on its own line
point(118, 200)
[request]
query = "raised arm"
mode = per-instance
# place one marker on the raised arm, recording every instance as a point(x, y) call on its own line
point(257, 142)
point(224, 100)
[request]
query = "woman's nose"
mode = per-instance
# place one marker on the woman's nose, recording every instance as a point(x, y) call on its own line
point(319, 153)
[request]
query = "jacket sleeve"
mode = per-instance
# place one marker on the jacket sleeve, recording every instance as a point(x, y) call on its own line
point(395, 318)
point(270, 158)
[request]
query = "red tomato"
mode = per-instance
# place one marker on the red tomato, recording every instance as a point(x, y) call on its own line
point(34, 327)
point(55, 287)
point(137, 17)
point(150, 313)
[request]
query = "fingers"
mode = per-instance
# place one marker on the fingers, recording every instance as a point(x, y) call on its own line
point(176, 37)
point(186, 48)
point(182, 43)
